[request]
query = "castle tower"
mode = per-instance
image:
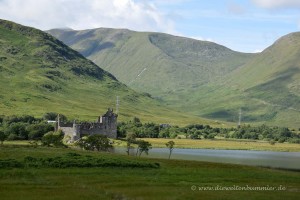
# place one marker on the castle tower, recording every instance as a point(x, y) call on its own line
point(76, 131)
point(109, 122)
point(57, 124)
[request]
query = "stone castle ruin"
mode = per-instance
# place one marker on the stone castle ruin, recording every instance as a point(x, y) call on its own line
point(105, 125)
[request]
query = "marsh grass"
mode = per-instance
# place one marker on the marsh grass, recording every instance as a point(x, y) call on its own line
point(225, 144)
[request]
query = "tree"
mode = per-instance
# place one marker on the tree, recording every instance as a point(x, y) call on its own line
point(137, 122)
point(53, 138)
point(2, 137)
point(53, 116)
point(130, 139)
point(121, 130)
point(95, 142)
point(143, 146)
point(170, 146)
point(36, 131)
point(14, 119)
point(17, 130)
point(211, 136)
point(50, 116)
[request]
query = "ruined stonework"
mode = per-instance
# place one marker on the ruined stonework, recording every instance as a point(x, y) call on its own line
point(105, 125)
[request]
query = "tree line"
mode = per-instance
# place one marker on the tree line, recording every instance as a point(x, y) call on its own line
point(200, 131)
point(30, 128)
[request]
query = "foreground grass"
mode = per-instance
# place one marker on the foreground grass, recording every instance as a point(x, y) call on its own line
point(220, 144)
point(172, 180)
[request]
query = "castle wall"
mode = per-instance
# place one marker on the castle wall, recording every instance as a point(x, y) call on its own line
point(110, 132)
point(105, 125)
point(68, 131)
point(71, 132)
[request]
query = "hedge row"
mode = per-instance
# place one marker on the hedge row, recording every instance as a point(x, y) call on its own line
point(71, 160)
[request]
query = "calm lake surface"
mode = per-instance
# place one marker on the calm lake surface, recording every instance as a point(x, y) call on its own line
point(288, 160)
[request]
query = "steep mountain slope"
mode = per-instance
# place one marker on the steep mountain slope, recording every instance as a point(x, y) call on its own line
point(267, 88)
point(277, 61)
point(156, 63)
point(198, 77)
point(273, 78)
point(39, 74)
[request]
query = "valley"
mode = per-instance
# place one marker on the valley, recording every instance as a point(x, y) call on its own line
point(199, 77)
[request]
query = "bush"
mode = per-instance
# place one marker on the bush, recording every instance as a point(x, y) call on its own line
point(17, 130)
point(194, 136)
point(2, 136)
point(294, 140)
point(211, 136)
point(10, 163)
point(77, 160)
point(15, 119)
point(281, 140)
point(272, 142)
point(53, 139)
point(53, 116)
point(95, 142)
point(37, 131)
point(12, 137)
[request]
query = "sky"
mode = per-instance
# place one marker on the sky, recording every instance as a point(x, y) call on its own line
point(241, 25)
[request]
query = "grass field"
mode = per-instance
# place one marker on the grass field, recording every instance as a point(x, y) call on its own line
point(174, 179)
point(204, 144)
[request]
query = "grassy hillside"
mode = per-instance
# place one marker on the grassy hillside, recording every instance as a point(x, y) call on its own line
point(272, 79)
point(198, 77)
point(40, 74)
point(275, 72)
point(156, 63)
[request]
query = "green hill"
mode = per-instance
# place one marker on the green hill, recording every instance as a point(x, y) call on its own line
point(273, 79)
point(155, 63)
point(199, 77)
point(266, 88)
point(40, 74)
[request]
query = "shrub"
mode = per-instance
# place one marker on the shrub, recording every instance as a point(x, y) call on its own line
point(37, 131)
point(76, 160)
point(211, 136)
point(12, 136)
point(10, 163)
point(2, 136)
point(18, 130)
point(294, 140)
point(281, 140)
point(53, 139)
point(95, 142)
point(272, 142)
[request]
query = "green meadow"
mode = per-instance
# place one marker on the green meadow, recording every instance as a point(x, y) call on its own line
point(169, 179)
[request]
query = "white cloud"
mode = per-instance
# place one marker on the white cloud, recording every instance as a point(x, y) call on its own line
point(279, 4)
point(84, 14)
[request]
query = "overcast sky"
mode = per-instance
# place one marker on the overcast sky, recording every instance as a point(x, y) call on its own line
point(242, 25)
